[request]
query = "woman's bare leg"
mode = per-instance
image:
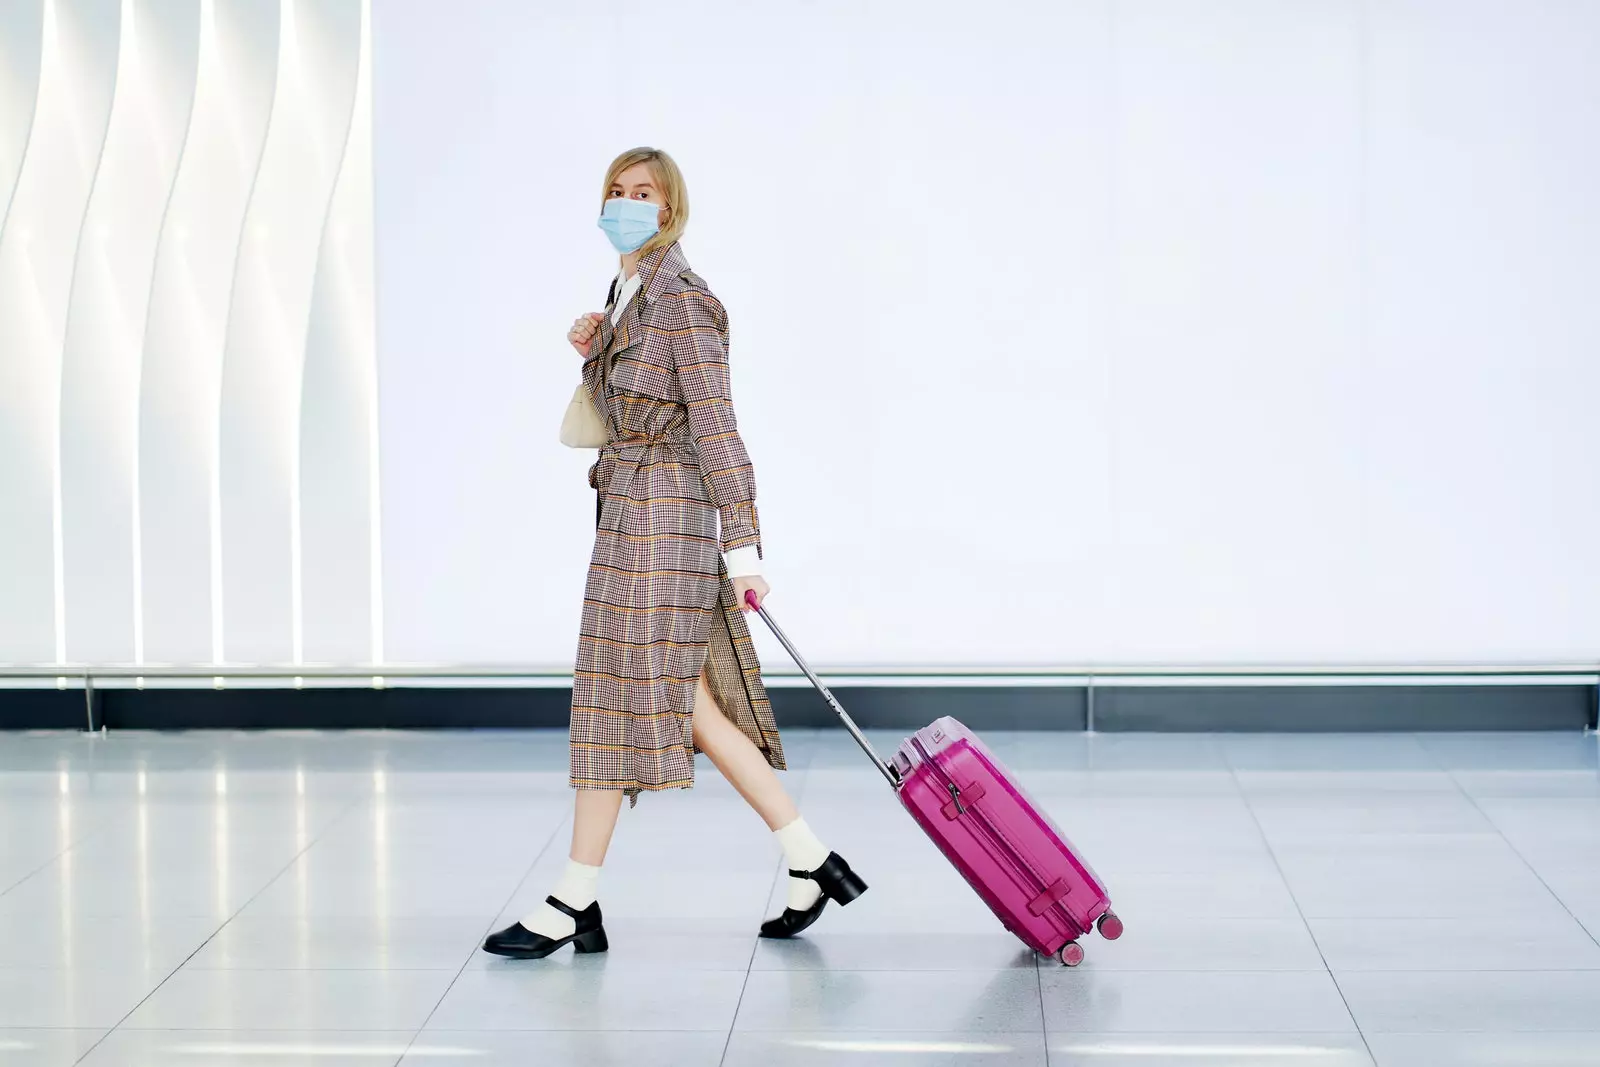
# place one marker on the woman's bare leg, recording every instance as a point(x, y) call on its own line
point(743, 764)
point(740, 761)
point(571, 913)
point(594, 820)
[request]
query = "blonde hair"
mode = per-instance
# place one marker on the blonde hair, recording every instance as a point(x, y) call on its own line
point(668, 182)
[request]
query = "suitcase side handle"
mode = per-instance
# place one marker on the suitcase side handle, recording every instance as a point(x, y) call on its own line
point(889, 773)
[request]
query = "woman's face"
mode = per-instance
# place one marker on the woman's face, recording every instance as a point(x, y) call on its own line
point(638, 183)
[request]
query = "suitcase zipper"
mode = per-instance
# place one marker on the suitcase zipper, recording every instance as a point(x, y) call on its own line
point(994, 835)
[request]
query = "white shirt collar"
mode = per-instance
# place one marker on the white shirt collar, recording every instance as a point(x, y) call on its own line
point(626, 287)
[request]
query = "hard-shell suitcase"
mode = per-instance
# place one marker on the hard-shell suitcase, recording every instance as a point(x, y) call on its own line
point(984, 822)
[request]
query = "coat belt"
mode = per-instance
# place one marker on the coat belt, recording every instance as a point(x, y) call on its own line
point(674, 441)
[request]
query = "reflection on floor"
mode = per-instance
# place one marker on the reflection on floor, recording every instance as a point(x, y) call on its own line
point(303, 898)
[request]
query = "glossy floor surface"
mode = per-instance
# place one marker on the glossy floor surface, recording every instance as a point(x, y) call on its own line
point(276, 899)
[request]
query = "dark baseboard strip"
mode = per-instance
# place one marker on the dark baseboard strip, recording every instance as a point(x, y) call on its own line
point(912, 707)
point(1298, 708)
point(42, 709)
point(1352, 709)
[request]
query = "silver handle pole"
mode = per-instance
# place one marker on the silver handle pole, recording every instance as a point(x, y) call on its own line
point(884, 769)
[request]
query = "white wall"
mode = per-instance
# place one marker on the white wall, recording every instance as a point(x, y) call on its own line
point(1132, 330)
point(1155, 330)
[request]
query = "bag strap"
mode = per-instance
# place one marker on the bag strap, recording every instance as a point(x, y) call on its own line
point(602, 371)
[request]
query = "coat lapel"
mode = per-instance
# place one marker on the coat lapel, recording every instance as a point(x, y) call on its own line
point(629, 332)
point(656, 272)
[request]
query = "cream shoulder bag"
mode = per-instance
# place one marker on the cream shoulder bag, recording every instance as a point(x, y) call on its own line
point(582, 426)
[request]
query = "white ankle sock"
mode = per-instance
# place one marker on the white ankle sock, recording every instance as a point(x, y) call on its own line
point(577, 889)
point(802, 852)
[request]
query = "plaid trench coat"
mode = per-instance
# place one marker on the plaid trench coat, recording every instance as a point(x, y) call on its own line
point(658, 606)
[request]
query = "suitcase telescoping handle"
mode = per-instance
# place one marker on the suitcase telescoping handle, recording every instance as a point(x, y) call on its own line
point(884, 769)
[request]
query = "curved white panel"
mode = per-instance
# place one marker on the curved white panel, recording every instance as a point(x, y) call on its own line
point(106, 320)
point(187, 325)
point(267, 329)
point(77, 72)
point(21, 40)
point(338, 428)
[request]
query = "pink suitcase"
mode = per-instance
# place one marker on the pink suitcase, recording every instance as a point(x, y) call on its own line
point(984, 822)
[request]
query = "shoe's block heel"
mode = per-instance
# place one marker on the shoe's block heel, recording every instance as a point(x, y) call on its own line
point(593, 941)
point(849, 887)
point(839, 882)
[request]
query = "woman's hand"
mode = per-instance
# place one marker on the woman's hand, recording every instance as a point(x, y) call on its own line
point(752, 584)
point(583, 332)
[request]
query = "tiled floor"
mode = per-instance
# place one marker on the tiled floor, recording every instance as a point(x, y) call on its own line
point(299, 898)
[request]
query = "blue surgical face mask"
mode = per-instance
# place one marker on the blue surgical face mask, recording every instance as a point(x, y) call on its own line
point(630, 223)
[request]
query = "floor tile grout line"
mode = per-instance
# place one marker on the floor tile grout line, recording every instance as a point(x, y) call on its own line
point(52, 861)
point(355, 802)
point(1038, 959)
point(472, 954)
point(1300, 910)
point(89, 835)
point(816, 791)
point(1044, 1020)
point(1515, 851)
point(733, 1023)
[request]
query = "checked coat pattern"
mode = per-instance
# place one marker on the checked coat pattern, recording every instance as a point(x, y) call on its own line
point(658, 605)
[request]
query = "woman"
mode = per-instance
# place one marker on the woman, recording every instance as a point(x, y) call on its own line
point(666, 667)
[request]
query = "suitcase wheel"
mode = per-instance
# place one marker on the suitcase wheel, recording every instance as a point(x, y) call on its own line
point(1110, 926)
point(1072, 954)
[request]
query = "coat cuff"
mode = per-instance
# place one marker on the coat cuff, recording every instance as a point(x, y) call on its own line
point(743, 562)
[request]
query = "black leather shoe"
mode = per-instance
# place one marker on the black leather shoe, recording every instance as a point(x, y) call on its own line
point(837, 881)
point(521, 943)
